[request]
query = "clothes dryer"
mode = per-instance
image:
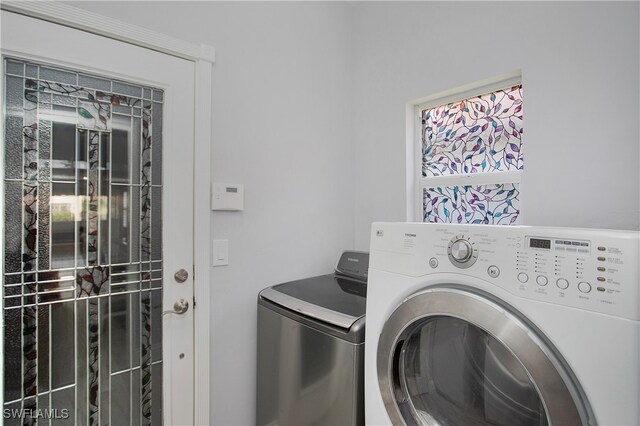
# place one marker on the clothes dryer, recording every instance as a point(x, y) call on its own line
point(500, 325)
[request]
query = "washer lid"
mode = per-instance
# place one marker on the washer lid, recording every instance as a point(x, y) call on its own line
point(328, 298)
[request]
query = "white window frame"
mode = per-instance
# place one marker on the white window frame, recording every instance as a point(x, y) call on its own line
point(416, 183)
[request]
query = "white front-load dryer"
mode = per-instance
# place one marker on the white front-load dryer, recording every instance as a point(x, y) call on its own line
point(500, 325)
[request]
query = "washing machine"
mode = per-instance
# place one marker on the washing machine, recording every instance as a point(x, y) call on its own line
point(310, 351)
point(502, 325)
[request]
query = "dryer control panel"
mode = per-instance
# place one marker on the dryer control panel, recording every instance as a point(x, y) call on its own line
point(597, 270)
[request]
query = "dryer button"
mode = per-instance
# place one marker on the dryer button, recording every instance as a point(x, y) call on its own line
point(433, 262)
point(584, 287)
point(542, 280)
point(562, 283)
point(493, 271)
point(522, 277)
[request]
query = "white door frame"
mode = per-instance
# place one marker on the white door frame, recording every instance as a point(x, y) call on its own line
point(203, 57)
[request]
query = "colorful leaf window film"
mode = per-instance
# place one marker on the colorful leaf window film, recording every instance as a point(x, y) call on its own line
point(476, 135)
point(82, 285)
point(495, 204)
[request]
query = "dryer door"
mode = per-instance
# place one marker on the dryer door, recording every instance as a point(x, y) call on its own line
point(453, 356)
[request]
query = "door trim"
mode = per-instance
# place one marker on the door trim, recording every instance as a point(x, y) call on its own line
point(203, 57)
point(559, 390)
point(90, 22)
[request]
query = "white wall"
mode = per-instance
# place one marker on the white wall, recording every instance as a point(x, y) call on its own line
point(282, 125)
point(580, 68)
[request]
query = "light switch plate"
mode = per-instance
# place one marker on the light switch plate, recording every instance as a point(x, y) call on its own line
point(220, 253)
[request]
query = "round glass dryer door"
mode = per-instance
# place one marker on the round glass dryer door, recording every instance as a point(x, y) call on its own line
point(441, 362)
point(455, 373)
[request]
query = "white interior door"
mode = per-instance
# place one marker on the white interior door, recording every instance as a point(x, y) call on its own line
point(98, 217)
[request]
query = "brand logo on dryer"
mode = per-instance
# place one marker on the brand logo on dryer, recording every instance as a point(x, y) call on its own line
point(409, 235)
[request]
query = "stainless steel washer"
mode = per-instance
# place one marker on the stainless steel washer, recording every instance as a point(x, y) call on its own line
point(310, 364)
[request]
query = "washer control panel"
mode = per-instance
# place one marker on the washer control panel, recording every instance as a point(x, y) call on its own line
point(596, 270)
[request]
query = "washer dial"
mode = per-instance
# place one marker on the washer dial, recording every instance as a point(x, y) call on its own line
point(462, 251)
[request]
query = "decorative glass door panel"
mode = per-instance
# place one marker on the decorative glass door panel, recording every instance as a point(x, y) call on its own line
point(82, 293)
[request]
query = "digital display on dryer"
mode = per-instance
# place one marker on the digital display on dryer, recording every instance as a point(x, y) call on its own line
point(540, 243)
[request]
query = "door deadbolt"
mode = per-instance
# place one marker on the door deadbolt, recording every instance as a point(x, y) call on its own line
point(180, 307)
point(181, 276)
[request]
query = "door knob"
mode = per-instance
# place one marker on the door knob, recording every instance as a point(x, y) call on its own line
point(181, 275)
point(180, 307)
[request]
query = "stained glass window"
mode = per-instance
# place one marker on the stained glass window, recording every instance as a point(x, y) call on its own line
point(466, 139)
point(497, 204)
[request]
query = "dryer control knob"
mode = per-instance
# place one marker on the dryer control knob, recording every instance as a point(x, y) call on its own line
point(584, 287)
point(461, 250)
